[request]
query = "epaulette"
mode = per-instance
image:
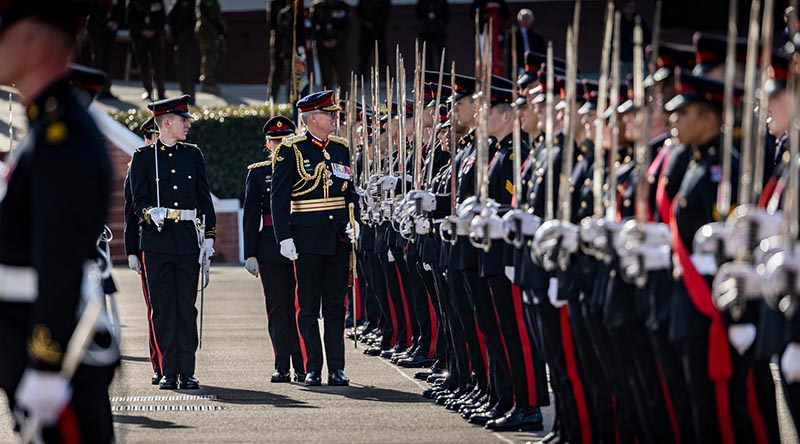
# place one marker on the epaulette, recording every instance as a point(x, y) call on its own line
point(145, 148)
point(253, 166)
point(190, 145)
point(340, 140)
point(291, 140)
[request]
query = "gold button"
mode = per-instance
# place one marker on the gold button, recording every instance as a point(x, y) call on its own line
point(172, 171)
point(626, 202)
point(190, 177)
point(584, 205)
point(330, 216)
point(174, 187)
point(176, 204)
point(170, 154)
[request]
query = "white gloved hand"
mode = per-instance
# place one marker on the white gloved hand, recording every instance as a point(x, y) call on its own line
point(206, 251)
point(387, 183)
point(251, 265)
point(352, 232)
point(157, 215)
point(790, 363)
point(44, 395)
point(552, 294)
point(133, 263)
point(390, 255)
point(288, 249)
point(510, 273)
point(741, 337)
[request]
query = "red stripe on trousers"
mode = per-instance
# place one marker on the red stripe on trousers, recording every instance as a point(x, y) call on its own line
point(405, 304)
point(434, 328)
point(719, 358)
point(297, 317)
point(150, 316)
point(572, 373)
point(393, 316)
point(482, 345)
point(754, 411)
point(502, 339)
point(673, 420)
point(68, 429)
point(150, 341)
point(356, 303)
point(527, 349)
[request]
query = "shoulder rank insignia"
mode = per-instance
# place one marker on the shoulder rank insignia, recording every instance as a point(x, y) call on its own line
point(253, 166)
point(340, 140)
point(291, 140)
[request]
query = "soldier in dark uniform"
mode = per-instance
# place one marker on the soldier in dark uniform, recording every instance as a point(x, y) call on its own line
point(311, 190)
point(53, 205)
point(330, 20)
point(211, 35)
point(264, 258)
point(172, 245)
point(373, 18)
point(101, 26)
point(146, 20)
point(149, 131)
point(433, 17)
point(181, 19)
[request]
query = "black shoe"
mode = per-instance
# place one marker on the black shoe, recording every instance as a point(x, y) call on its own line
point(168, 383)
point(281, 376)
point(337, 377)
point(313, 378)
point(527, 419)
point(156, 378)
point(422, 376)
point(299, 377)
point(415, 361)
point(483, 418)
point(190, 383)
point(391, 352)
point(373, 351)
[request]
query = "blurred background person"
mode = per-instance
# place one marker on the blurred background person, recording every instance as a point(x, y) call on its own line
point(330, 21)
point(373, 16)
point(433, 17)
point(211, 35)
point(182, 21)
point(146, 19)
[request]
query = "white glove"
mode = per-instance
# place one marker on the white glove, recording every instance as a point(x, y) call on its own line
point(790, 363)
point(510, 273)
point(390, 255)
point(288, 249)
point(741, 336)
point(44, 395)
point(387, 183)
point(352, 232)
point(251, 265)
point(206, 251)
point(552, 294)
point(157, 215)
point(133, 263)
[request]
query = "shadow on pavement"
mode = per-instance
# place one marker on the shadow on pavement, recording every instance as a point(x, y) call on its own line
point(227, 395)
point(148, 423)
point(369, 393)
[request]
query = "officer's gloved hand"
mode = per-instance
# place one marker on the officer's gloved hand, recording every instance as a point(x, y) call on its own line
point(741, 337)
point(387, 183)
point(157, 215)
point(288, 249)
point(133, 263)
point(352, 231)
point(251, 265)
point(790, 363)
point(44, 395)
point(390, 255)
point(552, 294)
point(510, 273)
point(207, 250)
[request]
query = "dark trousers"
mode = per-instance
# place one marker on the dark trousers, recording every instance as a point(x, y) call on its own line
point(499, 373)
point(149, 54)
point(102, 46)
point(369, 296)
point(88, 415)
point(151, 338)
point(396, 287)
point(389, 327)
point(333, 67)
point(184, 48)
point(467, 325)
point(446, 316)
point(517, 343)
point(425, 307)
point(172, 284)
point(322, 280)
point(278, 283)
point(366, 48)
point(455, 354)
point(669, 364)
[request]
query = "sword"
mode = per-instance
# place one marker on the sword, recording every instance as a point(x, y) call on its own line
point(203, 280)
point(354, 264)
point(447, 230)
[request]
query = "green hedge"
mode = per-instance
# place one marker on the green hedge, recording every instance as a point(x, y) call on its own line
point(230, 138)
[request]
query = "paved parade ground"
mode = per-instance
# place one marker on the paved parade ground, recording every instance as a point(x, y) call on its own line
point(238, 404)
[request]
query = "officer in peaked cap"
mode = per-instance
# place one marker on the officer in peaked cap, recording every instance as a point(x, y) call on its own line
point(171, 197)
point(312, 188)
point(53, 205)
point(264, 257)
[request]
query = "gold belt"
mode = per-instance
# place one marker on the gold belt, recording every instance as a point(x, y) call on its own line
point(175, 214)
point(306, 206)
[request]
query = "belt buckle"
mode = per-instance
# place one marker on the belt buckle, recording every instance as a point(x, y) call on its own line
point(173, 214)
